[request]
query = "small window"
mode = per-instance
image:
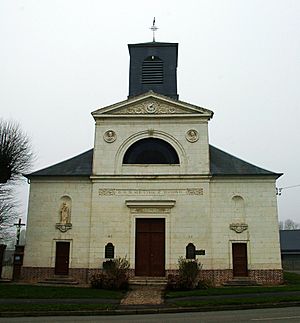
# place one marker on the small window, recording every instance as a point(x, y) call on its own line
point(109, 251)
point(190, 251)
point(152, 70)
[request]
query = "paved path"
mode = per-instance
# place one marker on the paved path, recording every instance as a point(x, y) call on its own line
point(144, 295)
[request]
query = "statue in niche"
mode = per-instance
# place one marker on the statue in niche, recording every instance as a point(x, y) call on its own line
point(65, 213)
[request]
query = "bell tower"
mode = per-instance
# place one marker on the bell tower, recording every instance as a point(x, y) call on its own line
point(153, 66)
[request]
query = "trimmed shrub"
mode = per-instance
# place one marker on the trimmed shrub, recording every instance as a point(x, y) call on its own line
point(114, 275)
point(188, 275)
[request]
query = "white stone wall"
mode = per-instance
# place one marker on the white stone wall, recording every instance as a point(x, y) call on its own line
point(259, 213)
point(108, 157)
point(113, 221)
point(43, 214)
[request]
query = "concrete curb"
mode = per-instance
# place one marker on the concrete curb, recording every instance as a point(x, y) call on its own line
point(148, 310)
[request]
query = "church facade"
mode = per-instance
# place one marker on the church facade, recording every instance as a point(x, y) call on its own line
point(152, 190)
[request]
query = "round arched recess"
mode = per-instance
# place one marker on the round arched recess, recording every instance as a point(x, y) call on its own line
point(151, 151)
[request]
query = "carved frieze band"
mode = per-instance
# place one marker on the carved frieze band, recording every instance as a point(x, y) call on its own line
point(155, 192)
point(238, 227)
point(151, 107)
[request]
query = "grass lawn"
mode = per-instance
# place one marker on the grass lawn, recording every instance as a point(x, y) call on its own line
point(53, 307)
point(33, 291)
point(292, 283)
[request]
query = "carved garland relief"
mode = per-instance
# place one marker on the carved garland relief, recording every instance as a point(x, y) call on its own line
point(238, 227)
point(151, 107)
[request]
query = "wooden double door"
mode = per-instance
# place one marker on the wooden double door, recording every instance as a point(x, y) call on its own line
point(150, 247)
point(239, 259)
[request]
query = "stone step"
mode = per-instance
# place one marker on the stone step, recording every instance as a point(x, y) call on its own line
point(241, 281)
point(59, 280)
point(148, 281)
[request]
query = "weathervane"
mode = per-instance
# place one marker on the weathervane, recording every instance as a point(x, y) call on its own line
point(154, 29)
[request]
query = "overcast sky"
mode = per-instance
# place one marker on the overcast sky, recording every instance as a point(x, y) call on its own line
point(62, 59)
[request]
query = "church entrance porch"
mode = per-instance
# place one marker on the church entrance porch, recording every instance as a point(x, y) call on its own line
point(62, 258)
point(150, 247)
point(239, 260)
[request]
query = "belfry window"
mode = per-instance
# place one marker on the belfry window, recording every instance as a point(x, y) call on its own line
point(152, 70)
point(151, 151)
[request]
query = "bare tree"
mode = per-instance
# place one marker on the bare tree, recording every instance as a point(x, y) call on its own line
point(290, 225)
point(16, 158)
point(8, 212)
point(15, 151)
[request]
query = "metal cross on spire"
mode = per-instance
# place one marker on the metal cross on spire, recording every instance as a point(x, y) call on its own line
point(154, 29)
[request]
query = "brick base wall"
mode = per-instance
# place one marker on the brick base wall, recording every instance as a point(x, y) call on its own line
point(214, 277)
point(267, 276)
point(36, 274)
point(219, 276)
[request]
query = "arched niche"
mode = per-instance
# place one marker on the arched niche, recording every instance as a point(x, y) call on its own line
point(238, 206)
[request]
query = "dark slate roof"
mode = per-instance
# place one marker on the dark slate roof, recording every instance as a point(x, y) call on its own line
point(80, 165)
point(221, 164)
point(289, 240)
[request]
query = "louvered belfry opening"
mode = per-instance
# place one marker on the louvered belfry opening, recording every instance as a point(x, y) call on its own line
point(153, 70)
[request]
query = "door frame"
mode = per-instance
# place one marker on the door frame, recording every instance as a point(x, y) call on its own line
point(148, 209)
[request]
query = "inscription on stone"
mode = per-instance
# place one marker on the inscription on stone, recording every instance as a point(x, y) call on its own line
point(150, 210)
point(155, 192)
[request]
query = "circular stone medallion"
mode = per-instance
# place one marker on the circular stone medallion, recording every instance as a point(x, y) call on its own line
point(192, 135)
point(109, 136)
point(151, 108)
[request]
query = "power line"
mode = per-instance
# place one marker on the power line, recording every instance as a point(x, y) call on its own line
point(279, 189)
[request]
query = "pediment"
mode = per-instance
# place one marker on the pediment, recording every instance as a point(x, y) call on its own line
point(152, 104)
